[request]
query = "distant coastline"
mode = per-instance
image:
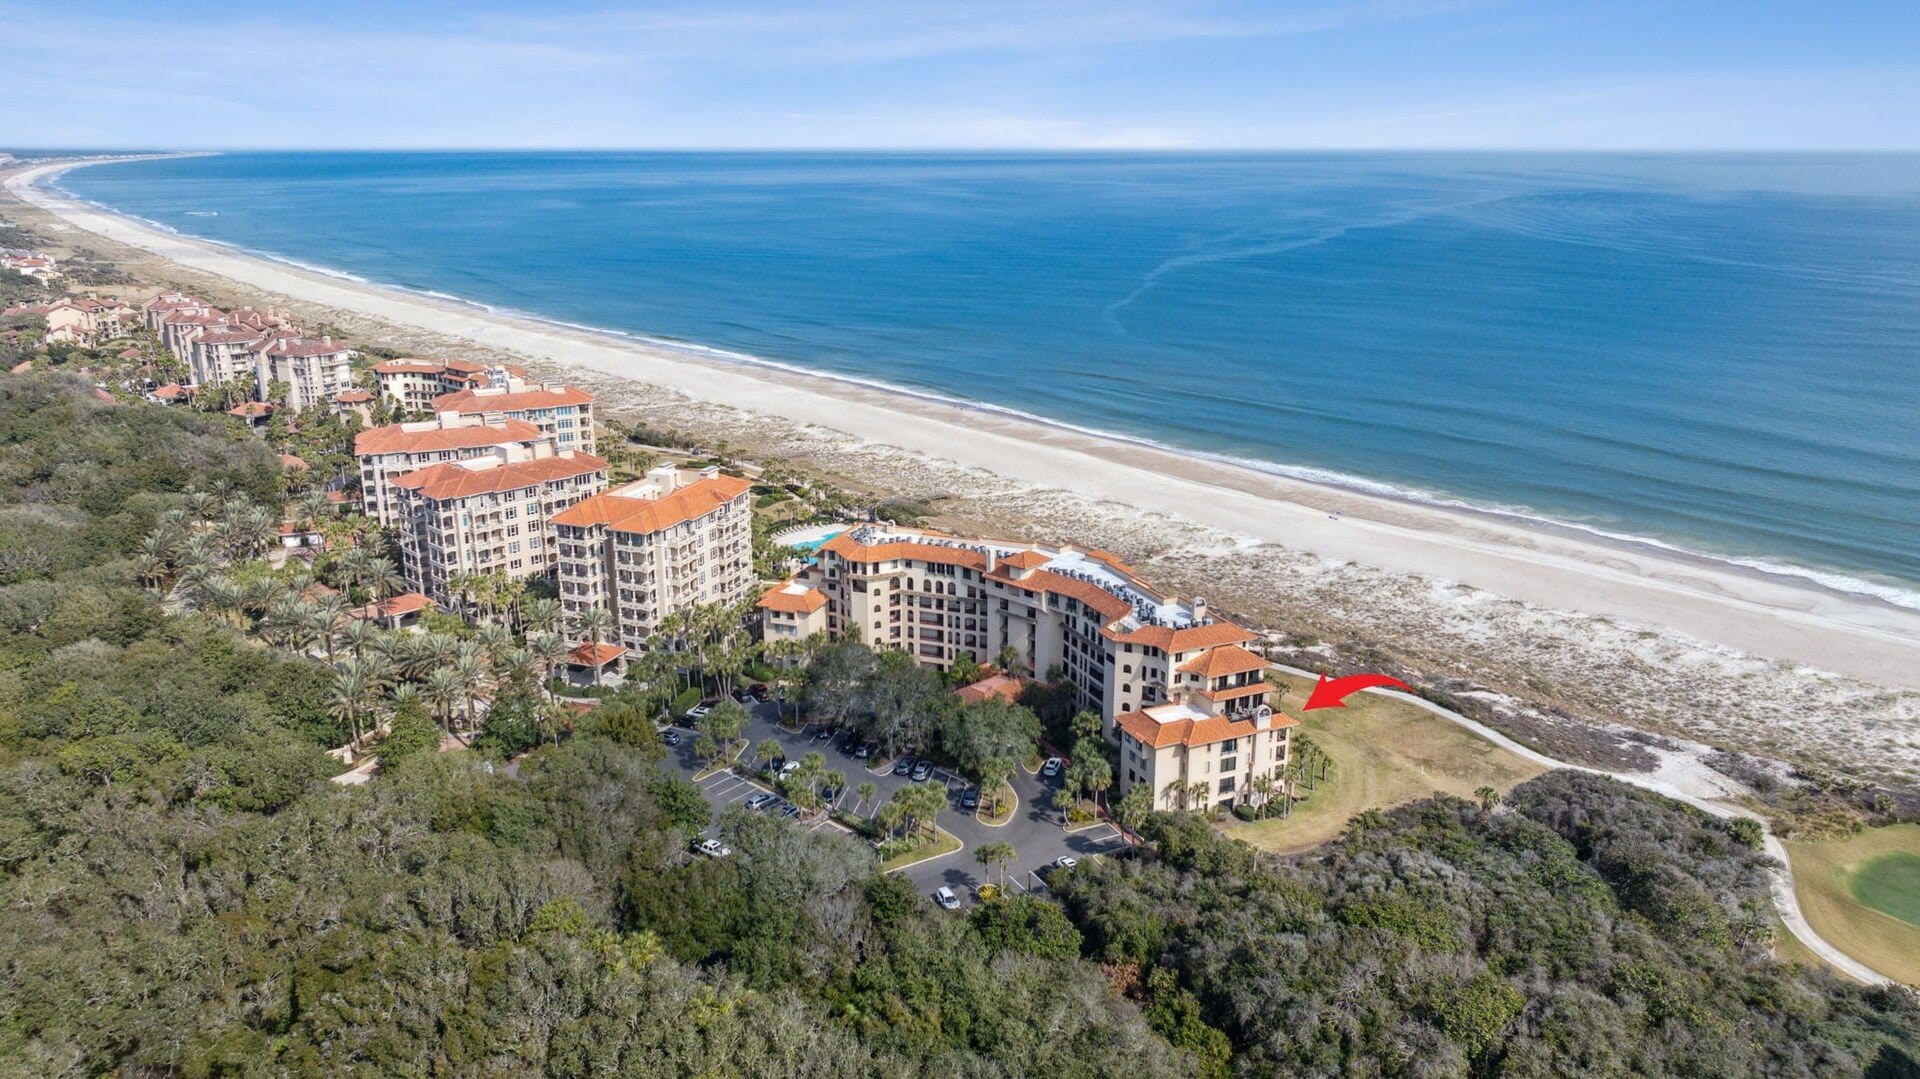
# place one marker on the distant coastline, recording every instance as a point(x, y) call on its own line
point(1787, 615)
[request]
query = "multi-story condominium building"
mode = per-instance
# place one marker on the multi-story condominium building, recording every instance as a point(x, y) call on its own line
point(218, 353)
point(154, 312)
point(672, 541)
point(387, 453)
point(85, 321)
point(488, 514)
point(1143, 660)
point(565, 412)
point(313, 368)
point(413, 384)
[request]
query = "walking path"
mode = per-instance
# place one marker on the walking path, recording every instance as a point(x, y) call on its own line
point(1785, 900)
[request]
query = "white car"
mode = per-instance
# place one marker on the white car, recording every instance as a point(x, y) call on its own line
point(713, 848)
point(789, 768)
point(1065, 861)
point(1051, 768)
point(944, 896)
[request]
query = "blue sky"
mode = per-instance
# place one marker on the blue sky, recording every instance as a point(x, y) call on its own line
point(1065, 74)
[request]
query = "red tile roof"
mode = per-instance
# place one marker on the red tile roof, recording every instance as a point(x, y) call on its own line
point(403, 604)
point(1222, 661)
point(455, 480)
point(510, 401)
point(1004, 687)
point(1193, 731)
point(788, 599)
point(353, 397)
point(622, 514)
point(396, 438)
point(251, 410)
point(590, 654)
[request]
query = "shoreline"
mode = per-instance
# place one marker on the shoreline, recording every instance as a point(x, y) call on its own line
point(1541, 565)
point(1842, 585)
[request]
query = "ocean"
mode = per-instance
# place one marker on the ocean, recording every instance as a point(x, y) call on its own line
point(1717, 353)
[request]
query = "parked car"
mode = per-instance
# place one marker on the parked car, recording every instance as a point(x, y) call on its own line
point(865, 751)
point(759, 691)
point(971, 799)
point(921, 770)
point(823, 734)
point(699, 710)
point(742, 696)
point(944, 896)
point(713, 848)
point(760, 801)
point(789, 810)
point(789, 768)
point(1051, 768)
point(1065, 861)
point(672, 738)
point(829, 794)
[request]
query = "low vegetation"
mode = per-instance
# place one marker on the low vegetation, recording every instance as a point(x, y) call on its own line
point(1862, 893)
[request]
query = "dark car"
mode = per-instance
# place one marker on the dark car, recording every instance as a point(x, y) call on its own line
point(903, 766)
point(742, 696)
point(971, 799)
point(759, 691)
point(823, 734)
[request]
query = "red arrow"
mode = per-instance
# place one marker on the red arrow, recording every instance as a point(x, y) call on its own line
point(1332, 692)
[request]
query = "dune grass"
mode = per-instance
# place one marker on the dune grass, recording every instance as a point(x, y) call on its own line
point(1385, 753)
point(1863, 894)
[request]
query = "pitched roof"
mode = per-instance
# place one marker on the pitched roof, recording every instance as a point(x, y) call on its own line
point(407, 438)
point(293, 461)
point(1003, 687)
point(1176, 724)
point(1185, 638)
point(404, 603)
point(590, 654)
point(792, 598)
point(1221, 661)
point(353, 397)
point(510, 400)
point(1025, 560)
point(622, 513)
point(305, 346)
point(174, 389)
point(455, 479)
point(251, 409)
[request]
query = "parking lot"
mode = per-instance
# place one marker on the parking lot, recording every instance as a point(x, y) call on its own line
point(1034, 831)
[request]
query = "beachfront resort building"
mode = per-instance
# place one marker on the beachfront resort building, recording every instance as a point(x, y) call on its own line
point(87, 320)
point(1181, 695)
point(672, 541)
point(412, 384)
point(565, 412)
point(389, 452)
point(313, 369)
point(488, 514)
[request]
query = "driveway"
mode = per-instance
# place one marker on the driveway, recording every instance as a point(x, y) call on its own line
point(1034, 831)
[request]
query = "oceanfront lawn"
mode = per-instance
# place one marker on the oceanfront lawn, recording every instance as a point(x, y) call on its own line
point(1384, 753)
point(1862, 893)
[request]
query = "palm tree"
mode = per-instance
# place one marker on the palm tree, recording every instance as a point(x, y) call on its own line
point(355, 688)
point(1488, 799)
point(442, 690)
point(360, 635)
point(768, 750)
point(541, 615)
point(1006, 658)
point(865, 791)
point(382, 578)
point(550, 650)
point(1000, 853)
point(1198, 793)
point(1263, 785)
point(472, 671)
point(315, 507)
point(1064, 801)
point(324, 616)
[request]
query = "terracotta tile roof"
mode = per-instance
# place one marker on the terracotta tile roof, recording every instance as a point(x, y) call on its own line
point(1004, 687)
point(396, 438)
point(103, 395)
point(589, 654)
point(792, 598)
point(304, 346)
point(353, 397)
point(1189, 729)
point(408, 367)
point(293, 461)
point(1222, 661)
point(852, 550)
point(403, 604)
point(174, 389)
point(510, 401)
point(623, 514)
point(1025, 560)
point(1185, 639)
point(21, 368)
point(249, 410)
point(456, 480)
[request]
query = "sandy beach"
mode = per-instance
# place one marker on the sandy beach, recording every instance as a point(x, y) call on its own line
point(1538, 620)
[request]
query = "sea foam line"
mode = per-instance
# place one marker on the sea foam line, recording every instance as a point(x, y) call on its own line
point(1833, 580)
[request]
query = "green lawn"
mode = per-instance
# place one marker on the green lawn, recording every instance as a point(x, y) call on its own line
point(1862, 893)
point(1890, 884)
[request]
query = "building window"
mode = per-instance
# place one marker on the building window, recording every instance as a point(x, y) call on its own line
point(1226, 785)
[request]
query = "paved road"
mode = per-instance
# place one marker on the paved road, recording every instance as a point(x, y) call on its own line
point(1034, 831)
